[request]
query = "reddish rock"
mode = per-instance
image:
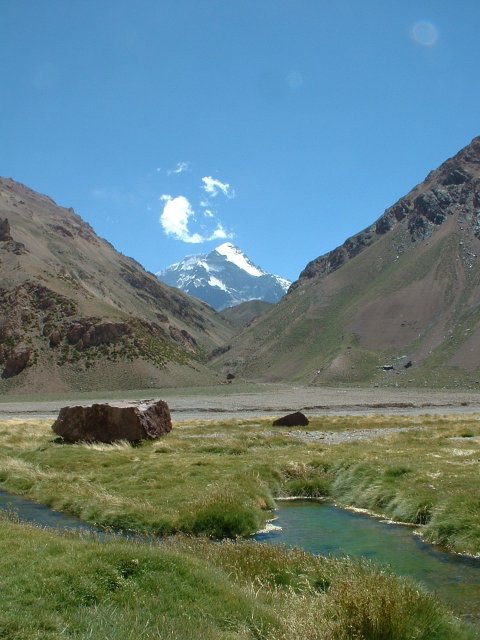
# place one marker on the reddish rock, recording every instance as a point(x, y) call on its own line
point(108, 423)
point(296, 419)
point(85, 333)
point(16, 362)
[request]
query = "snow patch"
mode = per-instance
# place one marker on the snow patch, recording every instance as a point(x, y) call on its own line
point(215, 282)
point(283, 282)
point(239, 259)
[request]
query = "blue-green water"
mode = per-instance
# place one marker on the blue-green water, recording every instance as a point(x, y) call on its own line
point(28, 511)
point(326, 530)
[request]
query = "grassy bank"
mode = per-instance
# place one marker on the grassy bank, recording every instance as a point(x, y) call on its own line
point(220, 479)
point(62, 586)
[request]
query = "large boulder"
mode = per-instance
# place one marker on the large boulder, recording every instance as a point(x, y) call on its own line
point(16, 361)
point(297, 419)
point(108, 423)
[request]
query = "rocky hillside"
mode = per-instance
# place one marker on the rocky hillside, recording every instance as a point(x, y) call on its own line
point(76, 314)
point(223, 278)
point(398, 303)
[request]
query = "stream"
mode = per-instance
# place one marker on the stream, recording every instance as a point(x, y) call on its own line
point(324, 529)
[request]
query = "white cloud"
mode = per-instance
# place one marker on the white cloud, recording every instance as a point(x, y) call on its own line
point(208, 213)
point(220, 233)
point(179, 168)
point(213, 187)
point(176, 215)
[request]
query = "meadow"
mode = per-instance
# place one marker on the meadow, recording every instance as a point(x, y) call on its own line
point(68, 586)
point(220, 480)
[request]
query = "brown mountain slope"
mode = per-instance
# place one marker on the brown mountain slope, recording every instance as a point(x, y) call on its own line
point(399, 303)
point(76, 314)
point(245, 313)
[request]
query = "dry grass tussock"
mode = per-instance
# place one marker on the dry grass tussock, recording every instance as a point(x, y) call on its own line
point(22, 433)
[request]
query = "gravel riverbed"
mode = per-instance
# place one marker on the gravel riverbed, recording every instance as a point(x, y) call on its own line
point(271, 400)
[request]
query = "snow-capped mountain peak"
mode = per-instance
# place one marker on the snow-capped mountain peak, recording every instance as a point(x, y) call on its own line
point(224, 278)
point(234, 255)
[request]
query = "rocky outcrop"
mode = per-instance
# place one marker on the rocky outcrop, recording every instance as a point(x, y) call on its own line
point(23, 310)
point(109, 423)
point(85, 333)
point(8, 243)
point(34, 314)
point(297, 419)
point(5, 230)
point(183, 337)
point(16, 362)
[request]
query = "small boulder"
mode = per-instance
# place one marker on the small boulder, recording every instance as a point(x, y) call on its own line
point(297, 419)
point(108, 423)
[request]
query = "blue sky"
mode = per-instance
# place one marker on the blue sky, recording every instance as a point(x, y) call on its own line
point(283, 125)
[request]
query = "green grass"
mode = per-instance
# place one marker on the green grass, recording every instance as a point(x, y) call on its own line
point(221, 479)
point(64, 586)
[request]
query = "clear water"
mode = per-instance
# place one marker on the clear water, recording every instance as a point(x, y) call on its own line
point(29, 511)
point(326, 530)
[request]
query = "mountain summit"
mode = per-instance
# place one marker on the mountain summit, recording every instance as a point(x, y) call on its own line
point(225, 277)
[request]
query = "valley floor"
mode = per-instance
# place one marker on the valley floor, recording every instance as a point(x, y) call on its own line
point(243, 400)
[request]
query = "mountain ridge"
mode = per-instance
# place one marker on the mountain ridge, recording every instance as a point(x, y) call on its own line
point(425, 211)
point(405, 290)
point(76, 314)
